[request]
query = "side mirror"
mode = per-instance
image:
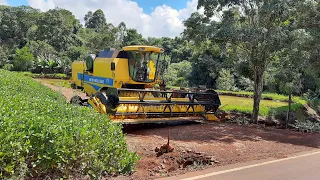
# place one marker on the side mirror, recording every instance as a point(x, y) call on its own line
point(113, 66)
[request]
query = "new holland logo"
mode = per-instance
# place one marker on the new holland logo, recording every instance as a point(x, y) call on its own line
point(100, 81)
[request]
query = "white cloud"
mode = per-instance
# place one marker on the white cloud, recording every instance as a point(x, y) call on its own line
point(163, 21)
point(42, 4)
point(3, 2)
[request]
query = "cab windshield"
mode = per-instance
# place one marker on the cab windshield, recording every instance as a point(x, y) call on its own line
point(142, 65)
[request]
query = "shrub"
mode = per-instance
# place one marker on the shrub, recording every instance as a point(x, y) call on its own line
point(23, 59)
point(8, 67)
point(306, 126)
point(315, 104)
point(41, 134)
point(4, 55)
point(246, 84)
point(177, 73)
point(280, 114)
point(225, 80)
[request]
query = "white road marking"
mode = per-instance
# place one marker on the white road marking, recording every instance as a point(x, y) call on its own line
point(250, 166)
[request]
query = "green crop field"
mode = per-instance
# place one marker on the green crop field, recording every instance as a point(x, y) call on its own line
point(41, 134)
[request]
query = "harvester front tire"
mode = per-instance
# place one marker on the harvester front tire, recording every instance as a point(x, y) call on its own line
point(111, 101)
point(76, 100)
point(73, 85)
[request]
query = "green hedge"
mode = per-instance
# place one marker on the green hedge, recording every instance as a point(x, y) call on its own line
point(42, 135)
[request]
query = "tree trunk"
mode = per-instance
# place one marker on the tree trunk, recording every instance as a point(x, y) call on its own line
point(258, 85)
point(289, 108)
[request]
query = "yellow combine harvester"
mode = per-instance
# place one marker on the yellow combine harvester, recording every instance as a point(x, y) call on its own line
point(121, 83)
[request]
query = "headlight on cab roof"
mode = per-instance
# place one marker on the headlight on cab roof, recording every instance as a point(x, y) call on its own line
point(142, 48)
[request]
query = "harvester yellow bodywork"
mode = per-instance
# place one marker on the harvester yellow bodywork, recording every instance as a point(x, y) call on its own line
point(121, 83)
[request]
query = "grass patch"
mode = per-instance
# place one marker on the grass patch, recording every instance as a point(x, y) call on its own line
point(242, 102)
point(269, 96)
point(42, 135)
point(173, 87)
point(266, 96)
point(245, 105)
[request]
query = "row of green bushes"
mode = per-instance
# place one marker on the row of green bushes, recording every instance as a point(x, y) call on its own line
point(42, 135)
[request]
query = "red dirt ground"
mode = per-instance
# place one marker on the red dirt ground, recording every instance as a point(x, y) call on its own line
point(221, 143)
point(224, 143)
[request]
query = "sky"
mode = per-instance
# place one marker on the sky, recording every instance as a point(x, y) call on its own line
point(156, 18)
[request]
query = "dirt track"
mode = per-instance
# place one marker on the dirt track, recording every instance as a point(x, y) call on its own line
point(222, 143)
point(68, 93)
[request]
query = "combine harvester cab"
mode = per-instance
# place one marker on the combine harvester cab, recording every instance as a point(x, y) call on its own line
point(122, 85)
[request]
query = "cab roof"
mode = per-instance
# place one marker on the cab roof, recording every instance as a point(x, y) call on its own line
point(142, 48)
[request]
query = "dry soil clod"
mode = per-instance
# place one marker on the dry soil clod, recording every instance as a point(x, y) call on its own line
point(166, 148)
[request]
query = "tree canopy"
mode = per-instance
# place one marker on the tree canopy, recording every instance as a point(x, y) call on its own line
point(253, 32)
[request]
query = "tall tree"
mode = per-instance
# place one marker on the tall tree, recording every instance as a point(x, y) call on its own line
point(255, 29)
point(95, 41)
point(196, 28)
point(87, 18)
point(206, 64)
point(122, 31)
point(133, 38)
point(15, 23)
point(291, 62)
point(70, 20)
point(54, 29)
point(310, 20)
point(153, 41)
point(95, 21)
point(181, 50)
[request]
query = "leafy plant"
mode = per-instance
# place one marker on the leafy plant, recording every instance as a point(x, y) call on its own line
point(306, 126)
point(42, 132)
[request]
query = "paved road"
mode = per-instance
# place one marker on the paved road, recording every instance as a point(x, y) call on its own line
point(300, 167)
